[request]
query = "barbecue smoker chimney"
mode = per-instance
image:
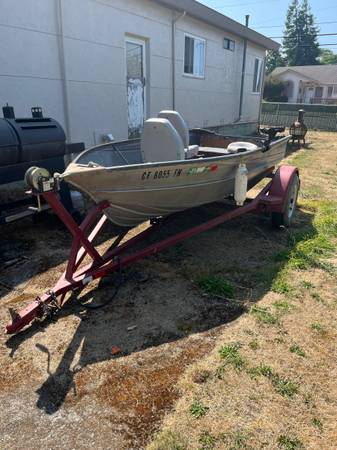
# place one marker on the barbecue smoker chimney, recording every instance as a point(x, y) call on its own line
point(8, 112)
point(298, 129)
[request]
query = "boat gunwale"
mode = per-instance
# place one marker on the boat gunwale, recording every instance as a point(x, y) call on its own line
point(170, 163)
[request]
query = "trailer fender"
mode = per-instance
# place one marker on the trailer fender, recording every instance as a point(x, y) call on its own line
point(280, 186)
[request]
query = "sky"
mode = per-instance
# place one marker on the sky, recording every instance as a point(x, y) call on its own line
point(268, 16)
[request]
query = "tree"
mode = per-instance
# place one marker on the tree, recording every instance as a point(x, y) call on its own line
point(274, 59)
point(300, 44)
point(274, 91)
point(327, 56)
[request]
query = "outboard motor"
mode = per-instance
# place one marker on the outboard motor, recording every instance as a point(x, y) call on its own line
point(271, 132)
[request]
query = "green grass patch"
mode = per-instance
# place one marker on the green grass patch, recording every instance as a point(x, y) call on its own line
point(220, 372)
point(281, 255)
point(319, 243)
point(301, 159)
point(283, 386)
point(289, 443)
point(297, 350)
point(253, 344)
point(168, 440)
point(197, 410)
point(317, 297)
point(261, 370)
point(309, 251)
point(317, 423)
point(230, 354)
point(207, 441)
point(307, 285)
point(264, 315)
point(313, 193)
point(280, 283)
point(317, 326)
point(282, 306)
point(216, 285)
point(306, 249)
point(236, 440)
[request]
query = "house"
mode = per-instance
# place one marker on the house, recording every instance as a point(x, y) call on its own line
point(100, 67)
point(308, 84)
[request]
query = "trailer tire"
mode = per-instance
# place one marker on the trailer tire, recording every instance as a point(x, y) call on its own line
point(285, 218)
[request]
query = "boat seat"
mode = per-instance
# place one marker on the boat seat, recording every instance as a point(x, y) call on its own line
point(178, 122)
point(235, 147)
point(161, 142)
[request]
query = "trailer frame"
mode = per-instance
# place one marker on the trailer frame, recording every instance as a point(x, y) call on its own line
point(272, 198)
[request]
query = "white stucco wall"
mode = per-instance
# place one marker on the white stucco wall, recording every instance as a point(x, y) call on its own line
point(251, 100)
point(94, 54)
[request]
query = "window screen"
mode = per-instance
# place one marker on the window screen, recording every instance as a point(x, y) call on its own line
point(194, 60)
point(257, 79)
point(229, 44)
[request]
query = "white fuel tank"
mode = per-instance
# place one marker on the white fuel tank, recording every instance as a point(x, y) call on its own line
point(241, 184)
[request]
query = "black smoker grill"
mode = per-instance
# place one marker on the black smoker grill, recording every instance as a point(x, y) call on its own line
point(26, 142)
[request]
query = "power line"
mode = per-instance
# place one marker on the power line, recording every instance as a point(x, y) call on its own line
point(318, 45)
point(302, 35)
point(275, 18)
point(281, 26)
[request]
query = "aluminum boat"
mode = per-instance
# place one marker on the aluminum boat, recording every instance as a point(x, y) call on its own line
point(170, 169)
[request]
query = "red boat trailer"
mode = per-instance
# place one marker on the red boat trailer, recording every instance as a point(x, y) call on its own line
point(273, 198)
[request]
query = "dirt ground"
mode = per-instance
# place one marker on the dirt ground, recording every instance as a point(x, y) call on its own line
point(61, 386)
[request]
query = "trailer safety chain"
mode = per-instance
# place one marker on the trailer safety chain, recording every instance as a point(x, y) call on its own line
point(48, 310)
point(121, 281)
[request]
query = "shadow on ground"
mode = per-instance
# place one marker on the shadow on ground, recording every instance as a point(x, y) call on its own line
point(159, 301)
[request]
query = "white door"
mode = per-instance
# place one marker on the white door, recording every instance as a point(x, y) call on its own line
point(135, 79)
point(309, 94)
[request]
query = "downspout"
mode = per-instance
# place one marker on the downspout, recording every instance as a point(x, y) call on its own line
point(243, 73)
point(61, 46)
point(262, 90)
point(174, 21)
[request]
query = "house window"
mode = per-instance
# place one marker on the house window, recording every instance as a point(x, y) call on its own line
point(194, 60)
point(229, 44)
point(318, 91)
point(257, 80)
point(335, 89)
point(330, 90)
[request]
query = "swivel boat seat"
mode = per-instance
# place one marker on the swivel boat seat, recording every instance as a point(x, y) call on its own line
point(180, 125)
point(161, 142)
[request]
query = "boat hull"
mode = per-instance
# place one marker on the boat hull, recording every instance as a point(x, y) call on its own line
point(140, 192)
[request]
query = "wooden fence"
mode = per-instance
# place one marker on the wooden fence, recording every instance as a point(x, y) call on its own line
point(317, 117)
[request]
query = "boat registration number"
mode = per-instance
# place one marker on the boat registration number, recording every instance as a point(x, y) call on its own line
point(162, 174)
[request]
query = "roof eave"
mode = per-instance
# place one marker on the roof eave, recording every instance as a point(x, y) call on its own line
point(214, 18)
point(297, 72)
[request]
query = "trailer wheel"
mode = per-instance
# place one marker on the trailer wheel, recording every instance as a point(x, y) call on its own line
point(285, 218)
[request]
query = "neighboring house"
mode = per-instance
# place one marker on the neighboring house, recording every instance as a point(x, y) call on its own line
point(101, 67)
point(308, 84)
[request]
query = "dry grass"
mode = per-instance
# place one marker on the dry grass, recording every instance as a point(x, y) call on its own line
point(271, 380)
point(264, 379)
